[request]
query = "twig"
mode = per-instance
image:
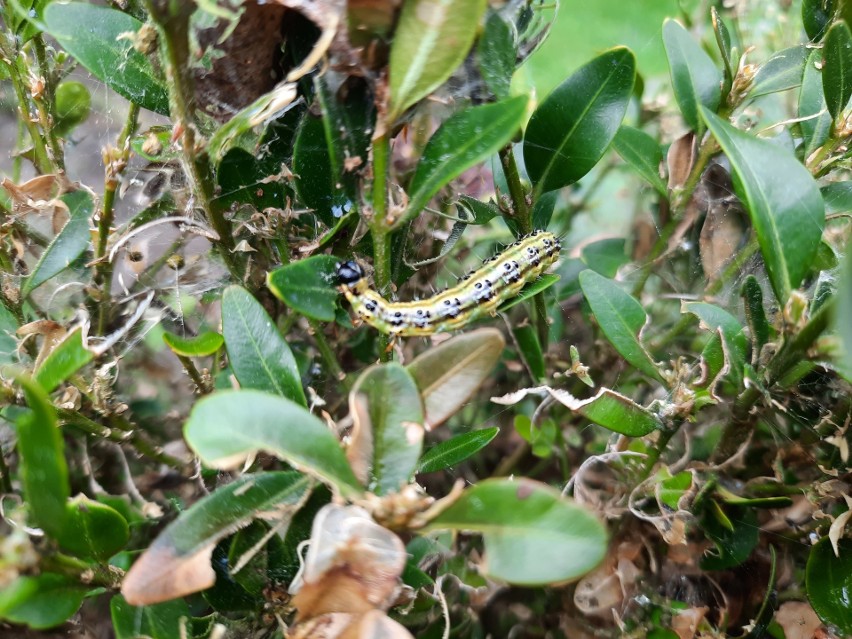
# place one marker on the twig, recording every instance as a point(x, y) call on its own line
point(46, 104)
point(379, 228)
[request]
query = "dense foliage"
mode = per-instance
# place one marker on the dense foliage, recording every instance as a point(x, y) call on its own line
point(199, 439)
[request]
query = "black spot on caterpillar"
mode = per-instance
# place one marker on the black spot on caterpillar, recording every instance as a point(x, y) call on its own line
point(500, 278)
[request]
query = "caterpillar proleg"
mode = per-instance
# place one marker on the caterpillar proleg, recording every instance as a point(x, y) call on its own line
point(500, 278)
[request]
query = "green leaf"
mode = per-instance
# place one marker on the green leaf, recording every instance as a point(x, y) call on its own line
point(495, 55)
point(186, 544)
point(69, 243)
point(202, 345)
point(723, 41)
point(228, 426)
point(643, 153)
point(519, 518)
point(480, 212)
point(44, 601)
point(465, 139)
point(837, 70)
point(161, 621)
point(815, 130)
point(611, 410)
point(73, 104)
point(837, 197)
point(448, 374)
point(570, 131)
point(841, 318)
point(672, 488)
point(432, 38)
point(317, 184)
point(695, 79)
point(605, 256)
point(308, 286)
point(816, 16)
point(735, 533)
point(93, 530)
point(259, 355)
point(388, 436)
point(621, 319)
point(829, 582)
point(788, 228)
point(783, 71)
point(530, 349)
point(240, 178)
point(455, 450)
point(8, 340)
point(529, 291)
point(758, 325)
point(712, 318)
point(44, 473)
point(66, 358)
point(98, 38)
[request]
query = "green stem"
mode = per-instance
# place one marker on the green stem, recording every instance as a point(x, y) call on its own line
point(742, 419)
point(328, 355)
point(46, 104)
point(192, 371)
point(116, 163)
point(40, 157)
point(654, 456)
point(91, 574)
point(380, 230)
point(172, 20)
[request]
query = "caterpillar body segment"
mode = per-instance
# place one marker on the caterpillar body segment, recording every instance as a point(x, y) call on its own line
point(499, 279)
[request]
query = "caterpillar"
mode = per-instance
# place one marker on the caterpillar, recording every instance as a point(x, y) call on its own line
point(500, 278)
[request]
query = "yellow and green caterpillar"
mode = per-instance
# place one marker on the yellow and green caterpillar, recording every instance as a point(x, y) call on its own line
point(499, 279)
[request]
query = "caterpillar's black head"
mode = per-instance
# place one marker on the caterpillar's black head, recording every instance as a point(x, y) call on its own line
point(348, 273)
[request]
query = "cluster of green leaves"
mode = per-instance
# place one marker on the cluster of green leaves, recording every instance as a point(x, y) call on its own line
point(751, 351)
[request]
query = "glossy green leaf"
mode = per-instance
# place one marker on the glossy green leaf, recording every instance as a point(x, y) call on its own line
point(816, 16)
point(186, 544)
point(242, 180)
point(316, 182)
point(394, 417)
point(308, 286)
point(570, 131)
point(455, 450)
point(621, 319)
point(723, 41)
point(713, 362)
point(782, 199)
point(25, 18)
point(258, 354)
point(841, 318)
point(201, 345)
point(829, 582)
point(735, 533)
point(519, 518)
point(530, 349)
point(431, 40)
point(605, 256)
point(69, 243)
point(73, 104)
point(160, 621)
point(712, 318)
point(8, 339)
point(93, 530)
point(66, 358)
point(228, 426)
point(816, 126)
point(465, 139)
point(43, 470)
point(695, 79)
point(758, 325)
point(837, 197)
point(609, 409)
point(495, 55)
point(478, 212)
point(837, 70)
point(672, 488)
point(43, 601)
point(97, 37)
point(643, 154)
point(783, 71)
point(529, 291)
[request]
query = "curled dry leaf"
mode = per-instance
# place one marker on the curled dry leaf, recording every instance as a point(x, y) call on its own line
point(352, 565)
point(373, 624)
point(685, 622)
point(680, 159)
point(360, 449)
point(835, 532)
point(603, 591)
